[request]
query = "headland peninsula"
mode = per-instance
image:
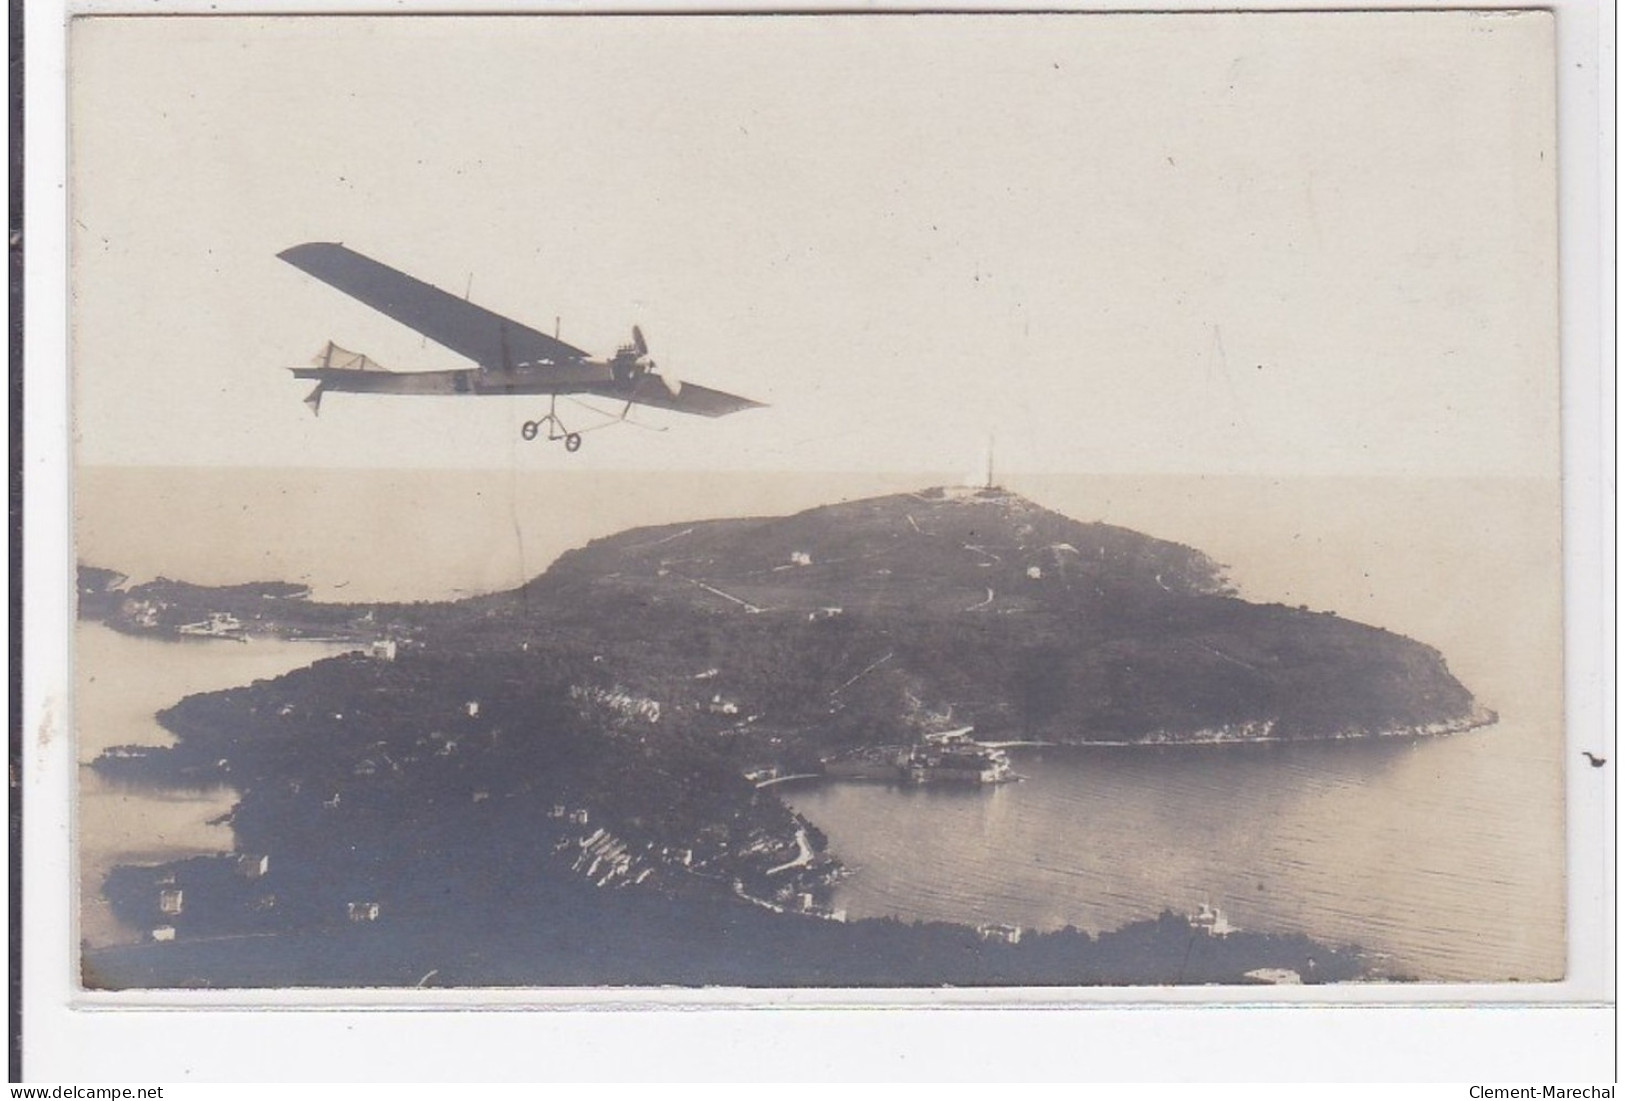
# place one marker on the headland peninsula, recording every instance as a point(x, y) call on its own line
point(574, 782)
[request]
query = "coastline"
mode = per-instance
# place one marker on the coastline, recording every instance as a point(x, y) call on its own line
point(1443, 729)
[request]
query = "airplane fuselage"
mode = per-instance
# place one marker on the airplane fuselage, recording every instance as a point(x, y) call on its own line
point(571, 377)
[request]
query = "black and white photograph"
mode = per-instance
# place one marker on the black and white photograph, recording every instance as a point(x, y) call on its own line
point(845, 502)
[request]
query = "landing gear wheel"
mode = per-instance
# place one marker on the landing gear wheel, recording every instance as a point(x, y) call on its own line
point(572, 442)
point(529, 429)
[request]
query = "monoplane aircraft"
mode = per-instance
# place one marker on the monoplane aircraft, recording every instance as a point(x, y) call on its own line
point(510, 358)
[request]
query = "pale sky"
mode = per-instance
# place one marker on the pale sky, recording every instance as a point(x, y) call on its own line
point(1258, 244)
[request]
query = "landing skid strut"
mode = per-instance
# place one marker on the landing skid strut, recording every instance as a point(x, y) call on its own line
point(555, 428)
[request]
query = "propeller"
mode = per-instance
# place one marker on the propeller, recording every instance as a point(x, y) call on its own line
point(673, 385)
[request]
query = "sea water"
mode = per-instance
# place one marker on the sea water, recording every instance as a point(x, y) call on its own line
point(1405, 848)
point(1443, 854)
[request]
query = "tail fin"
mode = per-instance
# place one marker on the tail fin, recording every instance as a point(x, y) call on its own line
point(344, 359)
point(315, 399)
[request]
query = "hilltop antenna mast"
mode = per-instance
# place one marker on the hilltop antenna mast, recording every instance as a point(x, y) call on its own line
point(989, 460)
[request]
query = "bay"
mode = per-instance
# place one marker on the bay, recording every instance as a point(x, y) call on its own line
point(120, 683)
point(1402, 846)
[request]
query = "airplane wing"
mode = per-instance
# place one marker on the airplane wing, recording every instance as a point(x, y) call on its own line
point(487, 338)
point(689, 398)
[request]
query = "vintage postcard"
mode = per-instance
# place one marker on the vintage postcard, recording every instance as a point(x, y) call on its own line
point(850, 502)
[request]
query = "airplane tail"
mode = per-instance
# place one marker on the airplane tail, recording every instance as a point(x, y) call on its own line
point(333, 356)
